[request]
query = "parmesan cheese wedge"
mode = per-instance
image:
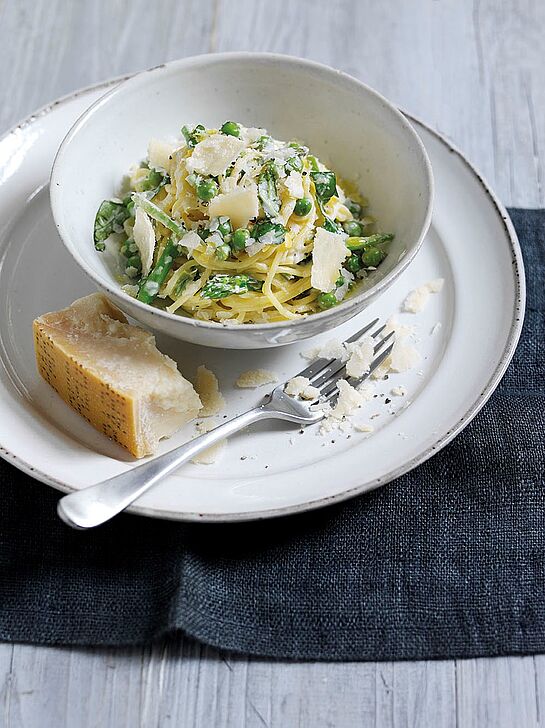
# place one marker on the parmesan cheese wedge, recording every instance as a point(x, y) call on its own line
point(112, 374)
point(328, 255)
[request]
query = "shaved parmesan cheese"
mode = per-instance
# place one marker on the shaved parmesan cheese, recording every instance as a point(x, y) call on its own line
point(255, 378)
point(191, 240)
point(241, 205)
point(403, 356)
point(206, 385)
point(328, 256)
point(294, 185)
point(416, 300)
point(159, 154)
point(301, 387)
point(214, 154)
point(144, 238)
point(360, 357)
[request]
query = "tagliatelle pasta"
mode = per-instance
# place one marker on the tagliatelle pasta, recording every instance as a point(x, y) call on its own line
point(234, 226)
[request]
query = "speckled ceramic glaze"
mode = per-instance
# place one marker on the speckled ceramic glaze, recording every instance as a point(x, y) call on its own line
point(351, 128)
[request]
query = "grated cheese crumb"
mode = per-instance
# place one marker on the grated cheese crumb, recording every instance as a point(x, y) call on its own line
point(301, 387)
point(398, 391)
point(348, 402)
point(360, 356)
point(255, 378)
point(207, 388)
point(403, 356)
point(417, 299)
point(365, 427)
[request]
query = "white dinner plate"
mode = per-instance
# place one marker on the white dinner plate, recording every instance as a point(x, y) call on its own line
point(272, 469)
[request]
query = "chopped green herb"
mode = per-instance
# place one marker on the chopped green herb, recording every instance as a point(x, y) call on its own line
point(222, 285)
point(109, 219)
point(269, 233)
point(193, 136)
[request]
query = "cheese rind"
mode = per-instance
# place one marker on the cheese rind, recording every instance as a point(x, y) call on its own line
point(112, 374)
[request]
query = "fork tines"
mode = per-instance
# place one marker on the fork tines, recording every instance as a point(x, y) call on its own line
point(325, 373)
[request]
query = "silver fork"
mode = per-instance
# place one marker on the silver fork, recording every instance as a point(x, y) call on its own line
point(98, 503)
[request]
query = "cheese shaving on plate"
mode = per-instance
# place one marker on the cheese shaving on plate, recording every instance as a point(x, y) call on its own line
point(255, 378)
point(416, 300)
point(206, 385)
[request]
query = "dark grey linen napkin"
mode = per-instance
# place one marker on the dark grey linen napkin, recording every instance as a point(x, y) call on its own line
point(447, 561)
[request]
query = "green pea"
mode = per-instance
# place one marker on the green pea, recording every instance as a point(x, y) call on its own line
point(353, 228)
point(372, 256)
point(240, 238)
point(326, 300)
point(354, 207)
point(223, 252)
point(134, 262)
point(224, 226)
point(340, 281)
point(303, 206)
point(207, 189)
point(231, 128)
point(294, 164)
point(353, 264)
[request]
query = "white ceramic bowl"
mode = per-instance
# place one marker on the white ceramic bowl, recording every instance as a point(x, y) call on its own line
point(348, 125)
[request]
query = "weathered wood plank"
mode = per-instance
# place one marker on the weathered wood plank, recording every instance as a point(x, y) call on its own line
point(499, 692)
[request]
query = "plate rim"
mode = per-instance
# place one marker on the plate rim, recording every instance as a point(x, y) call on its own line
point(495, 377)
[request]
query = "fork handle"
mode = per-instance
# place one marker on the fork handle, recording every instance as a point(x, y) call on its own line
point(98, 503)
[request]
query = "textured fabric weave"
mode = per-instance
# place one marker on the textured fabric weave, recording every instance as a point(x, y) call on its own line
point(447, 561)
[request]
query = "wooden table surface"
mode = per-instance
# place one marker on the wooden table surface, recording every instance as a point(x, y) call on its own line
point(474, 71)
